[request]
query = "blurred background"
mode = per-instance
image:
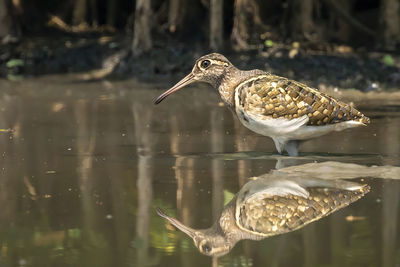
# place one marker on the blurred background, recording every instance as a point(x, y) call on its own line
point(145, 38)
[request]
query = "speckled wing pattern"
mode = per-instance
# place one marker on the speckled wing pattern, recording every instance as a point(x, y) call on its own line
point(277, 97)
point(272, 215)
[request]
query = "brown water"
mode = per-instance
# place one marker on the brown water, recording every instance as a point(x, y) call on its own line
point(86, 164)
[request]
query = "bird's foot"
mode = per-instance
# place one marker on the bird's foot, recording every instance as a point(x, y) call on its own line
point(292, 147)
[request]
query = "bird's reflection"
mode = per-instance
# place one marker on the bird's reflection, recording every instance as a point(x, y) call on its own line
point(272, 204)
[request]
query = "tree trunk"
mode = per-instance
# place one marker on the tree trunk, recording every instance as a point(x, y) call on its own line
point(177, 13)
point(246, 20)
point(390, 23)
point(216, 24)
point(303, 23)
point(142, 29)
point(79, 15)
point(93, 12)
point(173, 14)
point(5, 20)
point(306, 11)
point(339, 27)
point(240, 29)
point(112, 8)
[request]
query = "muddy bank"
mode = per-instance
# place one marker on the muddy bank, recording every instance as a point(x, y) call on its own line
point(108, 56)
point(59, 54)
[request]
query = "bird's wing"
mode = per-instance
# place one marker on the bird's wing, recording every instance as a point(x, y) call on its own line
point(285, 207)
point(276, 97)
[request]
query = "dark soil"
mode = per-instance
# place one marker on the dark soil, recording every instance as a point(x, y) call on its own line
point(328, 65)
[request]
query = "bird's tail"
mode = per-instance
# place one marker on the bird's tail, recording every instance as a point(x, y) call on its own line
point(364, 119)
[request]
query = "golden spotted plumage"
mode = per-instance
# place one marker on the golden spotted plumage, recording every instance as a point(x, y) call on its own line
point(278, 97)
point(280, 214)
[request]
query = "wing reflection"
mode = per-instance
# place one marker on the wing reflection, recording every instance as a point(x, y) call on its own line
point(272, 204)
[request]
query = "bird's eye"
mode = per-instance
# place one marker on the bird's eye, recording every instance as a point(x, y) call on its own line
point(205, 64)
point(206, 248)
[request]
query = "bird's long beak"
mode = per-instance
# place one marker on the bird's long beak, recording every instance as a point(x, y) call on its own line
point(182, 83)
point(187, 230)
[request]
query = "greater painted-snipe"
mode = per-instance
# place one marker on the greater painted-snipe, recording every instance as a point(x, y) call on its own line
point(270, 105)
point(271, 205)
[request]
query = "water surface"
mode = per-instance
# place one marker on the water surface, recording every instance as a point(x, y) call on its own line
point(84, 165)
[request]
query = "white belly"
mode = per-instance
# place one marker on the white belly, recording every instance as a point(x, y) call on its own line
point(294, 129)
point(283, 130)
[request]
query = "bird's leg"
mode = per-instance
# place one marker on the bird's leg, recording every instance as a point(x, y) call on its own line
point(292, 147)
point(279, 144)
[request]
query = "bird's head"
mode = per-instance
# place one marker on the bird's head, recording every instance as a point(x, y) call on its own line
point(210, 68)
point(209, 241)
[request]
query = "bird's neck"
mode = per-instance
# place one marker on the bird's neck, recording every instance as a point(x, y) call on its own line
point(227, 224)
point(230, 80)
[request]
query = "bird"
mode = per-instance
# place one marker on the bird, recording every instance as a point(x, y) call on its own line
point(286, 110)
point(271, 205)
